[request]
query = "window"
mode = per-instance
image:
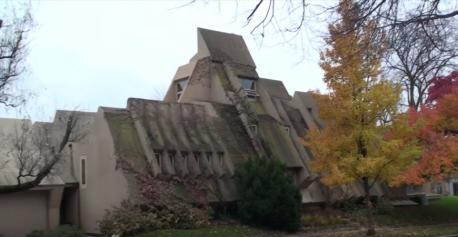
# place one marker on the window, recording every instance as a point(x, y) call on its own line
point(181, 85)
point(172, 158)
point(197, 157)
point(83, 178)
point(184, 154)
point(220, 159)
point(287, 130)
point(158, 157)
point(209, 156)
point(253, 128)
point(248, 84)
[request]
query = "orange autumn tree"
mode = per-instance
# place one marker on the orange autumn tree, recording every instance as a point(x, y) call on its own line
point(438, 133)
point(357, 144)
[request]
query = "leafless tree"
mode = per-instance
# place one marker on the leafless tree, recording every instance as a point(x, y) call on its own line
point(421, 34)
point(14, 28)
point(35, 150)
point(419, 53)
point(389, 13)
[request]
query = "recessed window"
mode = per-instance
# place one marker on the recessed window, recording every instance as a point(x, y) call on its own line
point(197, 157)
point(158, 157)
point(172, 155)
point(220, 159)
point(180, 86)
point(185, 155)
point(253, 128)
point(248, 84)
point(83, 174)
point(209, 156)
point(287, 129)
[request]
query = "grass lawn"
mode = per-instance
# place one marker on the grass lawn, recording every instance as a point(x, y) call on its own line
point(443, 210)
point(405, 232)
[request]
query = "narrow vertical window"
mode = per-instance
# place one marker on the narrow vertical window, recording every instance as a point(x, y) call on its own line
point(83, 178)
point(220, 159)
point(184, 154)
point(197, 157)
point(209, 156)
point(172, 158)
point(158, 157)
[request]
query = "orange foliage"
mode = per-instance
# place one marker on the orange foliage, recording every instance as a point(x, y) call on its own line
point(438, 134)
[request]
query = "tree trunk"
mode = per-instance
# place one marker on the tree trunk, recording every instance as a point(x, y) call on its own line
point(367, 199)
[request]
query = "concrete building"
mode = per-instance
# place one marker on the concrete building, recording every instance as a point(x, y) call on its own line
point(216, 114)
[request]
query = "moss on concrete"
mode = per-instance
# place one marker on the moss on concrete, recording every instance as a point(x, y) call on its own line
point(278, 142)
point(126, 142)
point(257, 107)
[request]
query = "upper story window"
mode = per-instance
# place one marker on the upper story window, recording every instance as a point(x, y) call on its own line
point(180, 86)
point(249, 86)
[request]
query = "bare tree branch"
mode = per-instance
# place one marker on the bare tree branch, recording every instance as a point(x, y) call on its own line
point(36, 150)
point(13, 50)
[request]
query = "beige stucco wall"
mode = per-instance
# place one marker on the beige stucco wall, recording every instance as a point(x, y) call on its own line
point(20, 213)
point(106, 185)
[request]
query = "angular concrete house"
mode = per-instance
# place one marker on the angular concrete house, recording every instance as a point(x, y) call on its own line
point(216, 114)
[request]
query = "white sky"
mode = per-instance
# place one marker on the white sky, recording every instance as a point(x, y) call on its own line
point(85, 54)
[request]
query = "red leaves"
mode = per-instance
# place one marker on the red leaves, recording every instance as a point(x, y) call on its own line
point(438, 132)
point(442, 86)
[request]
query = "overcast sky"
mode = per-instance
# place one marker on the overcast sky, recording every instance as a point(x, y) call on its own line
point(86, 54)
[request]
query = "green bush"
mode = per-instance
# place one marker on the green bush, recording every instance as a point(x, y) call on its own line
point(61, 231)
point(267, 195)
point(131, 219)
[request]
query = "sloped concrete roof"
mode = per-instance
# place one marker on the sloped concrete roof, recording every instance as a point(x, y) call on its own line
point(223, 47)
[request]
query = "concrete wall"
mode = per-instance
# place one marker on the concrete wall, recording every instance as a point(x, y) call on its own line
point(106, 185)
point(20, 213)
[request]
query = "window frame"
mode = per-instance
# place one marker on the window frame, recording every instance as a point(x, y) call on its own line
point(83, 171)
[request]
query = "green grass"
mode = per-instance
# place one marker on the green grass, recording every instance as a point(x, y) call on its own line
point(444, 210)
point(220, 231)
point(405, 232)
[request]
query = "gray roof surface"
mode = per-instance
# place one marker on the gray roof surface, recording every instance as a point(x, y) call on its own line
point(226, 47)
